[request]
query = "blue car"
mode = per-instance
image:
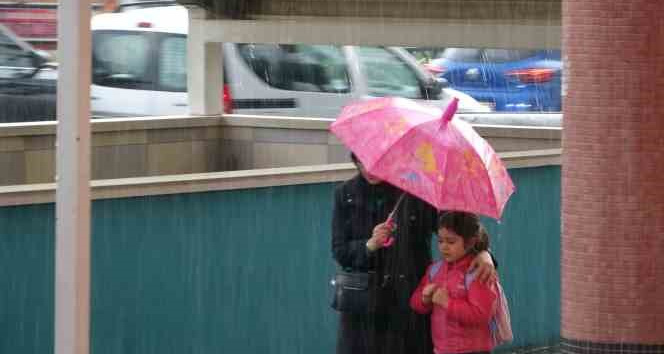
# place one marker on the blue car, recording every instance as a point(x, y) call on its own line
point(504, 79)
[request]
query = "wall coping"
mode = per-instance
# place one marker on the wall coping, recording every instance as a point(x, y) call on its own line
point(275, 122)
point(231, 180)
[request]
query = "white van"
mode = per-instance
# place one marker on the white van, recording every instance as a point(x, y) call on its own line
point(139, 69)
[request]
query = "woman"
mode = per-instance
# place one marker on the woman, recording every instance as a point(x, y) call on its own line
point(359, 229)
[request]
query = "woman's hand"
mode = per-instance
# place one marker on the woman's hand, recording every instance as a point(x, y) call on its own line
point(440, 297)
point(380, 233)
point(483, 265)
point(427, 293)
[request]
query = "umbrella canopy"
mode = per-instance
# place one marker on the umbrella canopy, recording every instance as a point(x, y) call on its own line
point(425, 152)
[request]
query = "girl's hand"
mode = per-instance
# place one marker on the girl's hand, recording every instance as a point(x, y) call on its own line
point(483, 265)
point(380, 233)
point(440, 297)
point(427, 293)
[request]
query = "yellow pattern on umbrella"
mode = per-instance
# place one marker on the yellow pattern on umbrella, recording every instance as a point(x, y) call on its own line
point(426, 156)
point(472, 164)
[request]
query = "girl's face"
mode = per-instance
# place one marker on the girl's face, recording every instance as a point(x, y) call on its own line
point(451, 246)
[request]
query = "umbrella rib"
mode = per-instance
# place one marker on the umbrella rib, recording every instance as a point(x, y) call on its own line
point(380, 159)
point(389, 148)
point(485, 171)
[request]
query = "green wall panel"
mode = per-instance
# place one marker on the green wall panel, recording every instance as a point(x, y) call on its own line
point(242, 271)
point(527, 245)
point(27, 266)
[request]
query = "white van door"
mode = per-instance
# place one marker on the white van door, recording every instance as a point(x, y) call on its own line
point(296, 80)
point(171, 75)
point(123, 74)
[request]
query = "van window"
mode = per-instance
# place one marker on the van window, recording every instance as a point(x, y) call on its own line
point(313, 68)
point(387, 75)
point(122, 59)
point(172, 75)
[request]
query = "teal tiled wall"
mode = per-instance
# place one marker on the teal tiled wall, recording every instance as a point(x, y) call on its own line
point(242, 271)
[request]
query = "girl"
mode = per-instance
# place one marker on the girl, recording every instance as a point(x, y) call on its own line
point(460, 308)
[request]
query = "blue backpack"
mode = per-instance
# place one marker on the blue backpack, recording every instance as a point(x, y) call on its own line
point(500, 325)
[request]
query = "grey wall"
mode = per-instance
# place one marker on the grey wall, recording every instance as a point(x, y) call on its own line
point(165, 146)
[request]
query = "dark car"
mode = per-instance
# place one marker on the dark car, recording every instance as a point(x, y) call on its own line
point(504, 79)
point(28, 81)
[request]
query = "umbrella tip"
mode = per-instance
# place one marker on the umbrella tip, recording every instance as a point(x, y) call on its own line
point(450, 110)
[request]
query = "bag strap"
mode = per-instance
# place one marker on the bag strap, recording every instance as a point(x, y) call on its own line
point(499, 326)
point(468, 279)
point(435, 268)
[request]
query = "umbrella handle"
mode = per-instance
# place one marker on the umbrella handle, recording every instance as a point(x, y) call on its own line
point(390, 220)
point(390, 217)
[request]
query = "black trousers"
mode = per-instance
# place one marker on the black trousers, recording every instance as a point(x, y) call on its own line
point(353, 334)
point(372, 334)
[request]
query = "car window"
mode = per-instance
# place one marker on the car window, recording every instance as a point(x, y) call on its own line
point(172, 75)
point(122, 59)
point(463, 54)
point(13, 56)
point(313, 68)
point(387, 75)
point(476, 55)
point(505, 55)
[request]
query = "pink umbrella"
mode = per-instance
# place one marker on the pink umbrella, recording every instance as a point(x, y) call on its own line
point(423, 151)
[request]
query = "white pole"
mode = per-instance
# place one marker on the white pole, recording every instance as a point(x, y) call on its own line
point(204, 67)
point(72, 242)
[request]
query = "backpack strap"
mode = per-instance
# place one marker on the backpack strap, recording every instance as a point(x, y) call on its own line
point(434, 269)
point(468, 279)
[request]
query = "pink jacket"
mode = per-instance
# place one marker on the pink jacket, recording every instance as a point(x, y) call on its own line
point(464, 325)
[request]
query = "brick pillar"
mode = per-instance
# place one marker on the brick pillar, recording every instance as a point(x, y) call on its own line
point(613, 177)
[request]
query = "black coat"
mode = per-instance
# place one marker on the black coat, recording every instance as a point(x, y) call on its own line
point(391, 326)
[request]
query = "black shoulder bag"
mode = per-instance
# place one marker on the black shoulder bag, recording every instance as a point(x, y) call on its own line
point(351, 291)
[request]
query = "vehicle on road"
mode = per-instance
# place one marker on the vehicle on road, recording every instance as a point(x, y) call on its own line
point(139, 69)
point(504, 79)
point(28, 81)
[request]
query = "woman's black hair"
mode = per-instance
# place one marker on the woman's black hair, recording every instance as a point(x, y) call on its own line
point(466, 225)
point(354, 158)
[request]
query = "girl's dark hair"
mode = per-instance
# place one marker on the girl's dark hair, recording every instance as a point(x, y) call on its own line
point(466, 225)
